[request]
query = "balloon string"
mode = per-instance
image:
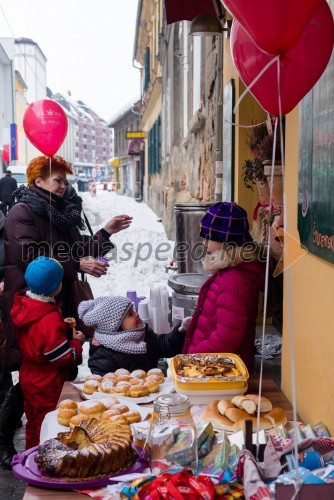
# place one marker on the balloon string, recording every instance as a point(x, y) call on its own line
point(288, 287)
point(245, 126)
point(247, 89)
point(50, 222)
point(266, 282)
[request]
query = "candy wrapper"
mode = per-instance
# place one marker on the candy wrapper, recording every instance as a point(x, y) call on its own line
point(321, 430)
point(217, 461)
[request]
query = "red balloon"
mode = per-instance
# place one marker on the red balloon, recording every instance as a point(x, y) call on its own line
point(275, 25)
point(300, 67)
point(45, 124)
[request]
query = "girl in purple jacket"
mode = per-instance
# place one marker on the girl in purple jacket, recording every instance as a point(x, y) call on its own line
point(227, 308)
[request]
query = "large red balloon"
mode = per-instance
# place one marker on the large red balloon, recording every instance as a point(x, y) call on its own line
point(45, 124)
point(300, 67)
point(275, 25)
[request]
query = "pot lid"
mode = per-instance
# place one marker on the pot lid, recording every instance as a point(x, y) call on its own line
point(187, 282)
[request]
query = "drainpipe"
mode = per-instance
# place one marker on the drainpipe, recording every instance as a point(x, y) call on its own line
point(219, 97)
point(219, 137)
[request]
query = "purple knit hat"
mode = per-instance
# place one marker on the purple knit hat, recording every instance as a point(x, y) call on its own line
point(225, 222)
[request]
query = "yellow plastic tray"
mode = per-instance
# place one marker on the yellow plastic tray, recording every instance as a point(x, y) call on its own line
point(213, 384)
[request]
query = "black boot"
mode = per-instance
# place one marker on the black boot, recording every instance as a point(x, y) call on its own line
point(10, 412)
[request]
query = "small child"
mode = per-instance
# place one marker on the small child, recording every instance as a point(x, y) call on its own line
point(122, 340)
point(46, 353)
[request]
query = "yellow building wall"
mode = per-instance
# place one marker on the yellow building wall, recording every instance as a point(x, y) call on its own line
point(312, 292)
point(312, 278)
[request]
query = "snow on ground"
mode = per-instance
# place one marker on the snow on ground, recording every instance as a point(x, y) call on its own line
point(141, 253)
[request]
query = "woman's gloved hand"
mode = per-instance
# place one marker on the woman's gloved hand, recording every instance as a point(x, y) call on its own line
point(185, 324)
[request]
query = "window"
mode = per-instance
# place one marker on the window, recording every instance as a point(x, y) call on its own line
point(146, 69)
point(197, 46)
point(154, 148)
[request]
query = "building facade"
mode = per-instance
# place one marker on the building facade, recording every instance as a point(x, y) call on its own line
point(126, 163)
point(179, 106)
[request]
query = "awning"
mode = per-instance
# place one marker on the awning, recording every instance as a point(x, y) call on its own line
point(187, 10)
point(114, 162)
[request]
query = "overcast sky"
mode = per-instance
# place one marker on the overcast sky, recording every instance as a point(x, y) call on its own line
point(88, 45)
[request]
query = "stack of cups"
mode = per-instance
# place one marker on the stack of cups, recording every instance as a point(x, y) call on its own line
point(143, 312)
point(158, 309)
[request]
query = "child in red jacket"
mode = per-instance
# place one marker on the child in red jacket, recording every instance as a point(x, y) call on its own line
point(46, 353)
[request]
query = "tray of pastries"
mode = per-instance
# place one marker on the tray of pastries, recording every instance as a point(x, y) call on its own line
point(207, 372)
point(138, 386)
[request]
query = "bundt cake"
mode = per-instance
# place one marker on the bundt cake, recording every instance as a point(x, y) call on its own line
point(89, 451)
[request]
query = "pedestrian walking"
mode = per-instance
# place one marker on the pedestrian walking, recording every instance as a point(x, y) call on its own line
point(7, 187)
point(227, 308)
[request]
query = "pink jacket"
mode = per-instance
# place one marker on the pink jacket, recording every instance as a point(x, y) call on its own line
point(224, 320)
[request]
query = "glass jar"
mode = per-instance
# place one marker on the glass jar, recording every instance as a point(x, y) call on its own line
point(172, 437)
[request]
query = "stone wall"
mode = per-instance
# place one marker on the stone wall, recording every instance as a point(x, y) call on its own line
point(188, 161)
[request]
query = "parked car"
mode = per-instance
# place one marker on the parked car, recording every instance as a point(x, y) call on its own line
point(19, 172)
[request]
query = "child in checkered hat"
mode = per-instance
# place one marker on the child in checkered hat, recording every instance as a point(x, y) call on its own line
point(227, 308)
point(122, 340)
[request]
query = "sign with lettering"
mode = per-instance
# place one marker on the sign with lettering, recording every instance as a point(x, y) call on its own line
point(316, 168)
point(135, 135)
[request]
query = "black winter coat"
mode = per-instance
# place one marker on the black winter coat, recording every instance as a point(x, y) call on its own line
point(103, 360)
point(26, 236)
point(7, 187)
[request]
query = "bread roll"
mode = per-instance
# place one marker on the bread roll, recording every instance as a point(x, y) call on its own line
point(138, 391)
point(218, 421)
point(223, 405)
point(93, 409)
point(110, 402)
point(119, 419)
point(122, 371)
point(109, 376)
point(276, 416)
point(264, 424)
point(235, 414)
point(132, 416)
point(64, 415)
point(90, 386)
point(137, 381)
point(138, 374)
point(109, 413)
point(265, 403)
point(122, 378)
point(156, 378)
point(121, 408)
point(93, 376)
point(157, 372)
point(69, 405)
point(152, 386)
point(246, 403)
point(120, 391)
point(106, 385)
point(77, 419)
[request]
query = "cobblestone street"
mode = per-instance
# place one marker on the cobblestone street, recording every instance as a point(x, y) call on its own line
point(10, 486)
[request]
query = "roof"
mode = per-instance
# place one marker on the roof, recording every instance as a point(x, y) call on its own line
point(29, 41)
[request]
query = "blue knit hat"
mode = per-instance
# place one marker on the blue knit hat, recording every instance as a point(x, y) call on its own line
point(225, 222)
point(44, 275)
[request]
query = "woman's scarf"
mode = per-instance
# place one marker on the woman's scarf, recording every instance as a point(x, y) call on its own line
point(62, 214)
point(127, 341)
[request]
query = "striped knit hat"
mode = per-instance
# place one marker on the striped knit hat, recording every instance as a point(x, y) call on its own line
point(225, 222)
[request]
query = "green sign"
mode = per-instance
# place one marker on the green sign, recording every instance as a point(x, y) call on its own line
point(316, 168)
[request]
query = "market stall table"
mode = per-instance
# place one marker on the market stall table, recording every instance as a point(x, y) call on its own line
point(269, 390)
